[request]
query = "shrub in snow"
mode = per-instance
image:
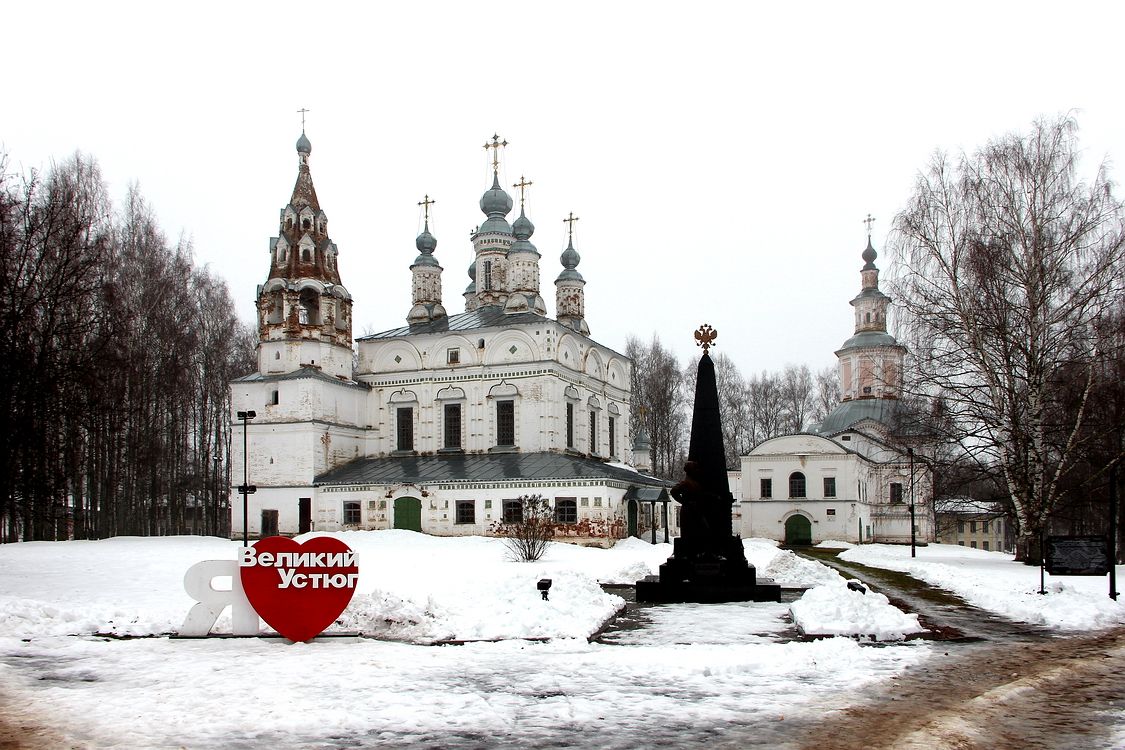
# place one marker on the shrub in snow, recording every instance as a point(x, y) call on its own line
point(527, 532)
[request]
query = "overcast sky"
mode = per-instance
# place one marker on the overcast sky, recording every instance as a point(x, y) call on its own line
point(721, 157)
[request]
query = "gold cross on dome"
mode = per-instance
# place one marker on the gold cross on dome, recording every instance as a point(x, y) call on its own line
point(522, 185)
point(570, 220)
point(705, 337)
point(869, 221)
point(302, 112)
point(495, 146)
point(425, 203)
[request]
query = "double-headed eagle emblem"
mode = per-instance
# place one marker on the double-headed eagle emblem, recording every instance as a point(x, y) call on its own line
point(705, 336)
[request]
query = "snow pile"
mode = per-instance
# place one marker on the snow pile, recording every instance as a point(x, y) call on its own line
point(835, 544)
point(834, 609)
point(995, 582)
point(789, 569)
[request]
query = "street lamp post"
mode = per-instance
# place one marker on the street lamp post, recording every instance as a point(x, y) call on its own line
point(246, 489)
point(913, 552)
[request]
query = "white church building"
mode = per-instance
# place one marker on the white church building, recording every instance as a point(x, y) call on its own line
point(444, 423)
point(852, 477)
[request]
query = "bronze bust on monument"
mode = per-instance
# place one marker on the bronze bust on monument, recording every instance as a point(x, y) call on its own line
point(708, 563)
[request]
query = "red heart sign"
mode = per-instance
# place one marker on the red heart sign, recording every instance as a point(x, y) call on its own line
point(299, 589)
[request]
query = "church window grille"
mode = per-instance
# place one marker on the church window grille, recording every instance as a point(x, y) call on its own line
point(466, 511)
point(570, 425)
point(597, 502)
point(405, 428)
point(351, 514)
point(566, 510)
point(513, 511)
point(593, 432)
point(830, 512)
point(505, 423)
point(796, 484)
point(830, 486)
point(453, 356)
point(486, 276)
point(766, 486)
point(896, 492)
point(452, 425)
point(612, 437)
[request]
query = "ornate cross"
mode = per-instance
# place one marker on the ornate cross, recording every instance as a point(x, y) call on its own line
point(302, 112)
point(705, 337)
point(522, 185)
point(570, 220)
point(869, 221)
point(495, 146)
point(426, 203)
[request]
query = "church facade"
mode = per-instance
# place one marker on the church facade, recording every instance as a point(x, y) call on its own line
point(440, 425)
point(854, 476)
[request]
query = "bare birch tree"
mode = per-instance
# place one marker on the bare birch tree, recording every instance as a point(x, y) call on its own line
point(1005, 260)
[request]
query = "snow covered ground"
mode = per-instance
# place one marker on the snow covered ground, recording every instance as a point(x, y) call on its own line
point(994, 581)
point(690, 669)
point(690, 674)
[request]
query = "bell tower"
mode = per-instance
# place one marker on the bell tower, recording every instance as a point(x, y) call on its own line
point(304, 312)
point(871, 361)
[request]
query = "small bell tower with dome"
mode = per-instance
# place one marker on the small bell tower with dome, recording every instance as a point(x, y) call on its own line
point(570, 301)
point(523, 264)
point(304, 312)
point(426, 273)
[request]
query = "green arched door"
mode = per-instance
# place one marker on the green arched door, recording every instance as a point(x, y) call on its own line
point(798, 530)
point(408, 513)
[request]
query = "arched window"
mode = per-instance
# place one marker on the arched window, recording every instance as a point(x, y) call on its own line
point(310, 307)
point(796, 484)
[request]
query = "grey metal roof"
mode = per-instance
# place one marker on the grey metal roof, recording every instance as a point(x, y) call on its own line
point(303, 372)
point(869, 338)
point(648, 494)
point(488, 316)
point(481, 467)
point(851, 412)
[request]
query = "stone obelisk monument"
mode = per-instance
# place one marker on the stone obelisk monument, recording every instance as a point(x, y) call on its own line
point(708, 563)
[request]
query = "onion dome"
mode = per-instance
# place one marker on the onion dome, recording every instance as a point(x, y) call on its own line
point(522, 228)
point(496, 203)
point(472, 287)
point(304, 146)
point(425, 244)
point(869, 255)
point(570, 260)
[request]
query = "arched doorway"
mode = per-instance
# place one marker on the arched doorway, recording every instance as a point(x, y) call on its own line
point(408, 513)
point(632, 517)
point(798, 530)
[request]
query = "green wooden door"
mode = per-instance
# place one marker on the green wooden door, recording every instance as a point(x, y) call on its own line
point(408, 513)
point(798, 530)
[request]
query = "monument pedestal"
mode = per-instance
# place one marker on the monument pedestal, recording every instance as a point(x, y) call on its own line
point(707, 575)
